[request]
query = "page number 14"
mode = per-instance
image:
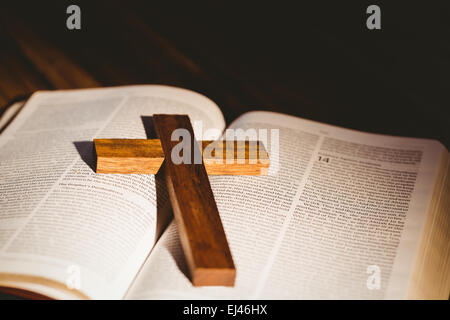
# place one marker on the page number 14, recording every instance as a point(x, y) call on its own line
point(324, 159)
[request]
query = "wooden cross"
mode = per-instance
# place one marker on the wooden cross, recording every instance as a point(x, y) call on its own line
point(201, 232)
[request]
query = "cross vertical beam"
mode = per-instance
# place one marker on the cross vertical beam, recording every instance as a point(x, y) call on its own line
point(201, 232)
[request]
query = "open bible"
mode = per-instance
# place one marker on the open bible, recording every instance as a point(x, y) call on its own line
point(342, 214)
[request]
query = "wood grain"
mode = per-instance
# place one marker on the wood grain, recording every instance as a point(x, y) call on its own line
point(201, 232)
point(140, 156)
point(235, 158)
point(146, 156)
point(17, 79)
point(59, 70)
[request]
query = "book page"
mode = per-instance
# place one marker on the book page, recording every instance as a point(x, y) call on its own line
point(9, 114)
point(339, 216)
point(61, 222)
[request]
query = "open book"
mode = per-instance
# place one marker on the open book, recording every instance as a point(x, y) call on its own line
point(346, 214)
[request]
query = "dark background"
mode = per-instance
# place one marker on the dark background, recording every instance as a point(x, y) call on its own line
point(314, 59)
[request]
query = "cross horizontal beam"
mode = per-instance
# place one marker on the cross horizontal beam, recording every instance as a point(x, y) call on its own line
point(145, 156)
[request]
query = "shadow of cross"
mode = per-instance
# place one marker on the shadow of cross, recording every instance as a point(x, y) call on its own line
point(187, 165)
